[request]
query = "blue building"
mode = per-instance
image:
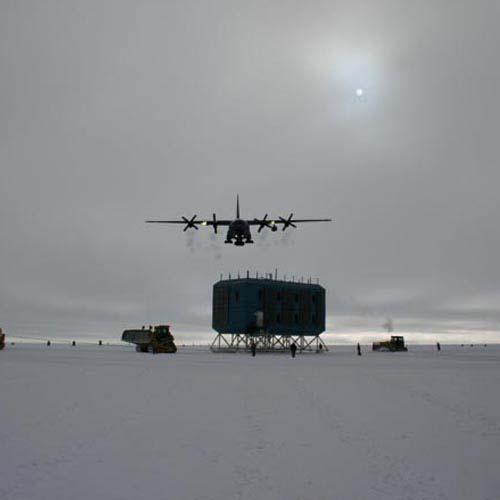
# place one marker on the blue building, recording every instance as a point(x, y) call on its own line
point(272, 313)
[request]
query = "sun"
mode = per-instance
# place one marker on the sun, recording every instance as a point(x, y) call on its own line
point(359, 92)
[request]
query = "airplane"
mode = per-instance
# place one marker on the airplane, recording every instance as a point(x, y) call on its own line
point(238, 229)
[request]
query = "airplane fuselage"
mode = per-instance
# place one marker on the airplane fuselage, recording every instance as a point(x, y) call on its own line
point(239, 231)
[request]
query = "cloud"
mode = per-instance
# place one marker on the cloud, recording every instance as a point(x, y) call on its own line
point(113, 117)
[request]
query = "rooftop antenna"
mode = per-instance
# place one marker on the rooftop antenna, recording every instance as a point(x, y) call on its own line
point(276, 273)
point(237, 206)
point(229, 276)
point(248, 274)
point(257, 274)
point(238, 275)
point(293, 278)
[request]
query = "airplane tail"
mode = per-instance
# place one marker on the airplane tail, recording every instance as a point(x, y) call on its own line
point(237, 206)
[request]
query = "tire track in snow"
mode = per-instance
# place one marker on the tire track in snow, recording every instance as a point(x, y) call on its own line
point(464, 416)
point(28, 474)
point(253, 478)
point(394, 472)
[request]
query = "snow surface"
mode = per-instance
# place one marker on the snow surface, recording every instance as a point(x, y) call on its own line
point(110, 423)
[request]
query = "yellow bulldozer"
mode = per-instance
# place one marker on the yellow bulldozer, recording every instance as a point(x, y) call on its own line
point(396, 344)
point(157, 340)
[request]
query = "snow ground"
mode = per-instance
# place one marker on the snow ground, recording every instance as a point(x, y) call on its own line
point(110, 423)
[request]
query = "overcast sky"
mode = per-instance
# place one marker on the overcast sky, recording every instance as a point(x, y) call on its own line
point(113, 112)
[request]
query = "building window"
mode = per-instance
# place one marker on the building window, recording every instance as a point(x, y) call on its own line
point(278, 318)
point(296, 297)
point(278, 296)
point(296, 318)
point(236, 296)
point(261, 294)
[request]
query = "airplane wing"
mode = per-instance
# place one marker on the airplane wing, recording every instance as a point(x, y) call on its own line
point(194, 222)
point(289, 222)
point(256, 222)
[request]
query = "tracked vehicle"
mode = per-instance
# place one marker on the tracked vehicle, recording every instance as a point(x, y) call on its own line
point(396, 344)
point(157, 340)
point(2, 339)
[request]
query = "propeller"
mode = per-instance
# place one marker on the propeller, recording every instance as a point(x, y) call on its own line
point(190, 223)
point(265, 223)
point(288, 222)
point(215, 223)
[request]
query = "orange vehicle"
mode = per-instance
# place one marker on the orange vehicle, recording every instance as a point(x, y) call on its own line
point(2, 340)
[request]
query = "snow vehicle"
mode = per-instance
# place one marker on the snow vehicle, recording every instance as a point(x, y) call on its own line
point(2, 340)
point(396, 344)
point(156, 340)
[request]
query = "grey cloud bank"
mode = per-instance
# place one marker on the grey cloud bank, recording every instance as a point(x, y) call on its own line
point(116, 112)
